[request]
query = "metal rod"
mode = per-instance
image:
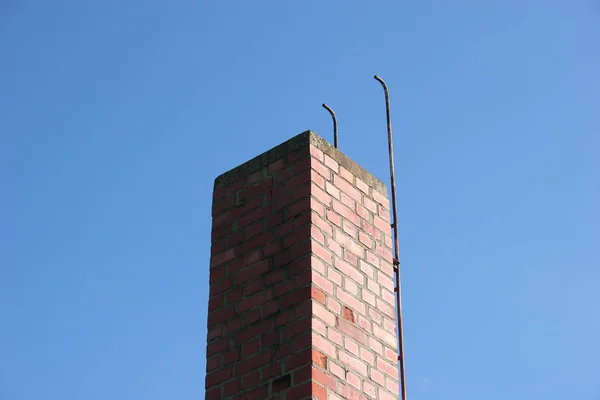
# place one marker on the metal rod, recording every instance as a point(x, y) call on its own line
point(335, 131)
point(394, 226)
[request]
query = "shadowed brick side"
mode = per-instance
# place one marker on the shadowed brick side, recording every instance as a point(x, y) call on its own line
point(260, 274)
point(301, 281)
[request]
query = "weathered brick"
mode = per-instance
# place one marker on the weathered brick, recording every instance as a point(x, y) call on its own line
point(351, 330)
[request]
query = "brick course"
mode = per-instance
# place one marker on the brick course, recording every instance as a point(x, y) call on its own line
point(301, 299)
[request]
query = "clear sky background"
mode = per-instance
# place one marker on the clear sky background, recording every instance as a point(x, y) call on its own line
point(115, 118)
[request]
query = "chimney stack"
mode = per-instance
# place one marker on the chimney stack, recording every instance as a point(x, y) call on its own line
point(301, 279)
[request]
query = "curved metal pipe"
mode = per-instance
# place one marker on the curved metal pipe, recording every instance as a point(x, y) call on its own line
point(335, 129)
point(394, 226)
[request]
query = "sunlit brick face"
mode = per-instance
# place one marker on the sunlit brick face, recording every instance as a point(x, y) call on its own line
point(301, 280)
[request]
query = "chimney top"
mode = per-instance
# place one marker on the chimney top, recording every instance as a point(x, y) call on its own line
point(290, 146)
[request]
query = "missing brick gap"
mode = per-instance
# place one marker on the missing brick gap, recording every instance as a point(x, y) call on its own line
point(282, 383)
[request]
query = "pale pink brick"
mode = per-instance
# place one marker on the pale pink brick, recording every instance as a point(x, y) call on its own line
point(317, 207)
point(332, 190)
point(353, 380)
point(322, 313)
point(365, 324)
point(376, 345)
point(347, 188)
point(388, 297)
point(373, 259)
point(335, 336)
point(322, 253)
point(316, 153)
point(316, 234)
point(349, 271)
point(348, 243)
point(374, 287)
point(391, 355)
point(385, 395)
point(385, 308)
point(387, 239)
point(320, 194)
point(323, 225)
point(332, 164)
point(377, 377)
point(368, 297)
point(322, 283)
point(345, 212)
point(392, 385)
point(347, 175)
point(365, 239)
point(321, 169)
point(380, 198)
point(375, 316)
point(383, 334)
point(369, 389)
point(347, 201)
point(349, 392)
point(352, 363)
point(334, 306)
point(351, 287)
point(381, 223)
point(334, 247)
point(324, 345)
point(384, 252)
point(362, 212)
point(371, 230)
point(386, 367)
point(319, 180)
point(351, 259)
point(384, 213)
point(317, 265)
point(351, 347)
point(367, 269)
point(386, 267)
point(389, 324)
point(367, 356)
point(350, 229)
point(333, 217)
point(319, 327)
point(334, 276)
point(337, 370)
point(351, 301)
point(362, 186)
point(370, 205)
point(385, 281)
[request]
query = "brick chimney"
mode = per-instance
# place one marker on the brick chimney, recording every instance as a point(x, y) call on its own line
point(301, 279)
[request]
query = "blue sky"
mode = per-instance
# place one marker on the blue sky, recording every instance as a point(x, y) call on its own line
point(115, 118)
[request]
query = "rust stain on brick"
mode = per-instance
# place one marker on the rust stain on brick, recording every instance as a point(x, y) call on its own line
point(319, 359)
point(348, 314)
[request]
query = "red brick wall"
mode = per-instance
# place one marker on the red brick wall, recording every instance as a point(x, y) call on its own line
point(301, 280)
